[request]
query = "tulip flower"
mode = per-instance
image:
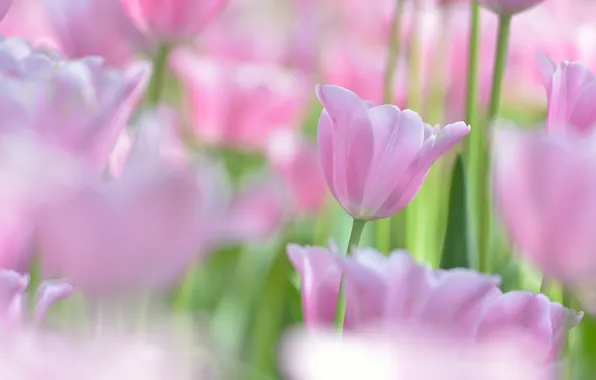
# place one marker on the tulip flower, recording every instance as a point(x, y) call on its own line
point(571, 92)
point(137, 233)
point(376, 158)
point(238, 105)
point(79, 106)
point(509, 7)
point(4, 7)
point(396, 289)
point(94, 27)
point(167, 21)
point(547, 201)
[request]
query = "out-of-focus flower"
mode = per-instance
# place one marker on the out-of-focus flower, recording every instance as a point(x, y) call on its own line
point(94, 28)
point(397, 290)
point(4, 7)
point(298, 163)
point(257, 211)
point(239, 105)
point(13, 297)
point(35, 29)
point(509, 7)
point(168, 21)
point(547, 200)
point(404, 353)
point(79, 106)
point(571, 93)
point(376, 158)
point(137, 233)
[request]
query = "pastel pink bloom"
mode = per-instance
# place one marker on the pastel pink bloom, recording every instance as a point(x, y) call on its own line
point(547, 202)
point(238, 105)
point(403, 353)
point(94, 28)
point(79, 106)
point(135, 234)
point(173, 20)
point(395, 290)
point(376, 158)
point(547, 323)
point(13, 298)
point(571, 93)
point(4, 7)
point(27, 19)
point(298, 164)
point(257, 211)
point(509, 7)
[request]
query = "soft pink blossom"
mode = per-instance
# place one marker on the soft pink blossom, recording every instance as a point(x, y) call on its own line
point(35, 29)
point(173, 20)
point(94, 27)
point(571, 94)
point(376, 158)
point(238, 105)
point(4, 7)
point(509, 7)
point(79, 106)
point(547, 200)
point(137, 233)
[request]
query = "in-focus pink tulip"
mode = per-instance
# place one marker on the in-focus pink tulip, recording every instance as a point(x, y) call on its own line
point(375, 158)
point(298, 164)
point(173, 20)
point(135, 234)
point(403, 353)
point(94, 28)
point(571, 94)
point(509, 7)
point(547, 200)
point(79, 106)
point(397, 290)
point(239, 105)
point(4, 7)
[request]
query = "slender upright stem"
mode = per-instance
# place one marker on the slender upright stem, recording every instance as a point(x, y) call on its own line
point(473, 66)
point(499, 67)
point(158, 76)
point(355, 235)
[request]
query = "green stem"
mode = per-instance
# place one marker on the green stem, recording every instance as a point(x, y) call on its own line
point(158, 77)
point(499, 66)
point(393, 52)
point(355, 235)
point(476, 138)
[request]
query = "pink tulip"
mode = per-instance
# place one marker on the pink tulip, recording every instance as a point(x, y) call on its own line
point(547, 201)
point(135, 234)
point(79, 106)
point(27, 19)
point(571, 93)
point(239, 105)
point(94, 27)
point(298, 164)
point(509, 7)
point(397, 290)
point(403, 353)
point(376, 158)
point(4, 7)
point(173, 20)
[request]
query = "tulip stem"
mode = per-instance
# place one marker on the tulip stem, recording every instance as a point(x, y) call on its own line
point(158, 76)
point(392, 52)
point(340, 309)
point(499, 66)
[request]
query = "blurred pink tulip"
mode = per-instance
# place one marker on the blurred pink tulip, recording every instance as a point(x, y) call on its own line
point(397, 290)
point(509, 7)
point(547, 201)
point(298, 163)
point(403, 353)
point(135, 234)
point(168, 21)
point(26, 19)
point(4, 7)
point(376, 158)
point(571, 93)
point(13, 297)
point(239, 105)
point(94, 27)
point(79, 106)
